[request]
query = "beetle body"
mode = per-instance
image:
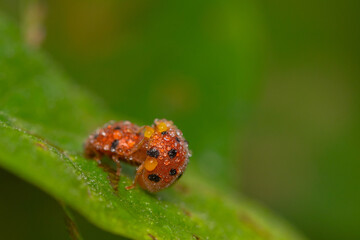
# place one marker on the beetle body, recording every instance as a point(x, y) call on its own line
point(160, 151)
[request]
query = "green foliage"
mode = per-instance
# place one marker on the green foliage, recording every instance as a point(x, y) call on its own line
point(43, 122)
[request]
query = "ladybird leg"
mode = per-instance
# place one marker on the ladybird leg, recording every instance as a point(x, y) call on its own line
point(115, 178)
point(136, 147)
point(138, 172)
point(140, 129)
point(93, 155)
point(118, 165)
point(139, 144)
point(97, 158)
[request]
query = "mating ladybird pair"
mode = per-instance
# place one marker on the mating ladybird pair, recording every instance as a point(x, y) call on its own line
point(160, 151)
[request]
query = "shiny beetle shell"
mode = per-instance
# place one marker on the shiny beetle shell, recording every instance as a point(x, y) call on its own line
point(160, 151)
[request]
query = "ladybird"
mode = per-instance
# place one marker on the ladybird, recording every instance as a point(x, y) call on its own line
point(160, 151)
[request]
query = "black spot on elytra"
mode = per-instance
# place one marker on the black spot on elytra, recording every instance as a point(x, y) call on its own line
point(117, 128)
point(177, 139)
point(172, 153)
point(154, 178)
point(114, 144)
point(164, 132)
point(173, 172)
point(153, 152)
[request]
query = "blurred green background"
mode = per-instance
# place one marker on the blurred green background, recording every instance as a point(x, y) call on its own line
point(266, 92)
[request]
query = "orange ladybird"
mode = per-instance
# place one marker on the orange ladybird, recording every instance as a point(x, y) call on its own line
point(160, 151)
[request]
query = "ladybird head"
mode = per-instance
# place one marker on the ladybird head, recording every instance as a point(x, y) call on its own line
point(167, 156)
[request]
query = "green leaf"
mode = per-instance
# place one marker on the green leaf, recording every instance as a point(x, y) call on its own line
point(44, 121)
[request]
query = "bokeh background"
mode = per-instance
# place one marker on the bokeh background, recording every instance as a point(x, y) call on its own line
point(266, 92)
